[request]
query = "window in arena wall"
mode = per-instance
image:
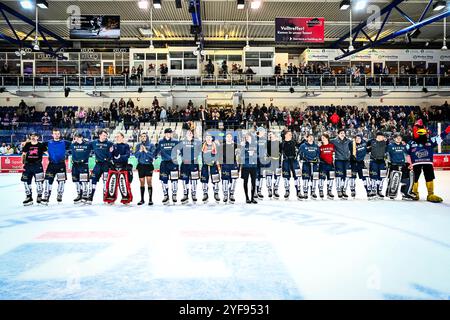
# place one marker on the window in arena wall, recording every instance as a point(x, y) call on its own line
point(365, 67)
point(45, 67)
point(67, 67)
point(421, 66)
point(190, 64)
point(393, 67)
point(445, 68)
point(266, 63)
point(176, 64)
point(90, 68)
point(139, 56)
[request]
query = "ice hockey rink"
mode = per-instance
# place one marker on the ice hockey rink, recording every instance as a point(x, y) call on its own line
point(274, 250)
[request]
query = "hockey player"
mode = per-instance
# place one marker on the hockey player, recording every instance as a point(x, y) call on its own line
point(32, 153)
point(309, 153)
point(249, 161)
point(342, 147)
point(421, 152)
point(120, 175)
point(210, 168)
point(377, 166)
point(229, 167)
point(359, 152)
point(80, 151)
point(263, 163)
point(290, 165)
point(169, 166)
point(326, 166)
point(273, 172)
point(189, 149)
point(145, 153)
point(101, 148)
point(56, 168)
point(398, 172)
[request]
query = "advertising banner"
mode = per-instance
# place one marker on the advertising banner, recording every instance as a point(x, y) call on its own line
point(308, 30)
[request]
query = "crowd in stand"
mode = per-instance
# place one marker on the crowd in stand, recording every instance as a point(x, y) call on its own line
point(310, 120)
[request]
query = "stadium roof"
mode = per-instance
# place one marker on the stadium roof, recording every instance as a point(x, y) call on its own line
point(220, 18)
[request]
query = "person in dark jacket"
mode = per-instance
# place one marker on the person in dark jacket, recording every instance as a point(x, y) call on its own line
point(249, 166)
point(377, 166)
point(342, 146)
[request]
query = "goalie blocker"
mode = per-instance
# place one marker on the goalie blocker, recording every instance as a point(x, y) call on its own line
point(119, 177)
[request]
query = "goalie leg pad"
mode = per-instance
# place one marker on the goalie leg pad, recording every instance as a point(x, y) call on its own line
point(111, 185)
point(125, 187)
point(395, 178)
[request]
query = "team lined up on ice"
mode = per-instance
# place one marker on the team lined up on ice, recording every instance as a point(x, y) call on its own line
point(259, 157)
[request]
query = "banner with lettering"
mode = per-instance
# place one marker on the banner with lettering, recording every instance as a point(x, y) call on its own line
point(308, 30)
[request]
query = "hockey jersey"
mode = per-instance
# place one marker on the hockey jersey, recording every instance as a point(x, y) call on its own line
point(327, 153)
point(421, 153)
point(80, 152)
point(397, 153)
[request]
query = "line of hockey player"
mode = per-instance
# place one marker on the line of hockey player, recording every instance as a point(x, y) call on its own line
point(258, 156)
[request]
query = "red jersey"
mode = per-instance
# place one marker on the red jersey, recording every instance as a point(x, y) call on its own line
point(326, 153)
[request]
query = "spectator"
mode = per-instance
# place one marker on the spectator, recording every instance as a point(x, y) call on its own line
point(9, 150)
point(3, 149)
point(46, 120)
point(163, 115)
point(155, 102)
point(210, 68)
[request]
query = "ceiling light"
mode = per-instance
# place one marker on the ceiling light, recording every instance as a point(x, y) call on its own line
point(345, 4)
point(26, 4)
point(240, 4)
point(255, 4)
point(43, 4)
point(157, 4)
point(439, 5)
point(143, 4)
point(360, 4)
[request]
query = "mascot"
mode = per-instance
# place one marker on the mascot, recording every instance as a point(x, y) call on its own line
point(420, 149)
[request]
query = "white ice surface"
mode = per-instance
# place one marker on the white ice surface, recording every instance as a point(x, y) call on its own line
point(281, 249)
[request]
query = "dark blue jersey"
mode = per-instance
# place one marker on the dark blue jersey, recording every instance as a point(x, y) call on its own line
point(81, 151)
point(261, 147)
point(309, 152)
point(190, 150)
point(249, 155)
point(397, 153)
point(57, 150)
point(421, 153)
point(147, 156)
point(165, 147)
point(121, 153)
point(361, 150)
point(101, 150)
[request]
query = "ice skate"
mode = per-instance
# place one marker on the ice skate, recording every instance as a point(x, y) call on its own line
point(28, 201)
point(78, 199)
point(275, 194)
point(185, 199)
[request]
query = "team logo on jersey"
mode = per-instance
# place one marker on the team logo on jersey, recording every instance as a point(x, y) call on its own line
point(422, 154)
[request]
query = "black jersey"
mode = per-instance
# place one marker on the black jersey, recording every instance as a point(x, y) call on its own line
point(289, 149)
point(228, 153)
point(34, 152)
point(273, 149)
